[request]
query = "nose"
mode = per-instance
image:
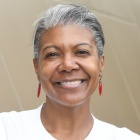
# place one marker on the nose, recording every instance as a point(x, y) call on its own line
point(68, 64)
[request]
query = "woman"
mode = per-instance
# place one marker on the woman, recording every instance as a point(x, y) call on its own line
point(68, 61)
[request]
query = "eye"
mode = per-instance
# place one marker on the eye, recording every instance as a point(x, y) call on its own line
point(82, 52)
point(52, 55)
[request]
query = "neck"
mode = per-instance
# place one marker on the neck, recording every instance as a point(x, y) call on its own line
point(62, 121)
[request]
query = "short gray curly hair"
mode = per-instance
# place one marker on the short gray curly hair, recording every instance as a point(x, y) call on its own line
point(68, 14)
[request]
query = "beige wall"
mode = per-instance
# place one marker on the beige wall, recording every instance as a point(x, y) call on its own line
point(120, 19)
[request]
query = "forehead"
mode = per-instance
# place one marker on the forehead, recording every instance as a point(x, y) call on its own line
point(66, 34)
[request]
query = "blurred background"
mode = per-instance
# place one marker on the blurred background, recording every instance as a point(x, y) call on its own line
point(120, 19)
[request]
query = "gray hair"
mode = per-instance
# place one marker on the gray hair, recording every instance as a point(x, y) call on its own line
point(68, 14)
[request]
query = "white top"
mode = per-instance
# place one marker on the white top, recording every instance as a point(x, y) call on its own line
point(26, 125)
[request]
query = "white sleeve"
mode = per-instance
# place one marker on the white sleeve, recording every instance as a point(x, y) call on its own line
point(3, 135)
point(126, 134)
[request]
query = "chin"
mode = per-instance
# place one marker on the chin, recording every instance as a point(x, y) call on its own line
point(73, 103)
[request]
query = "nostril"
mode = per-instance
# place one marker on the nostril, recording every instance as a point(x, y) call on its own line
point(68, 65)
point(65, 70)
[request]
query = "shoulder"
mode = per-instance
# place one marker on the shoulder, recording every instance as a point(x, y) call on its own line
point(124, 133)
point(16, 124)
point(104, 130)
point(16, 117)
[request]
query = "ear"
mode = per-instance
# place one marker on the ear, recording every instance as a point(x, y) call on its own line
point(36, 67)
point(101, 65)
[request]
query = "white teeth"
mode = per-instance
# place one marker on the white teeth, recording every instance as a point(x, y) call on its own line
point(71, 82)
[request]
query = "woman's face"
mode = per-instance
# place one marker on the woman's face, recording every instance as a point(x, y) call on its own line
point(68, 65)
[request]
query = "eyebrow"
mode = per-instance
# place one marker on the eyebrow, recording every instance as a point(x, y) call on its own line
point(81, 44)
point(77, 45)
point(50, 46)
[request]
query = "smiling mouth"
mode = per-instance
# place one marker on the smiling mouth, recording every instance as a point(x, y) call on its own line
point(70, 84)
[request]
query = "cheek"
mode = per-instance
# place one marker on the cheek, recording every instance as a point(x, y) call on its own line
point(47, 70)
point(91, 67)
point(93, 70)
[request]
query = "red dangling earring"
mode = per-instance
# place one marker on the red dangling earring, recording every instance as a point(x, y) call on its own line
point(100, 87)
point(39, 89)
